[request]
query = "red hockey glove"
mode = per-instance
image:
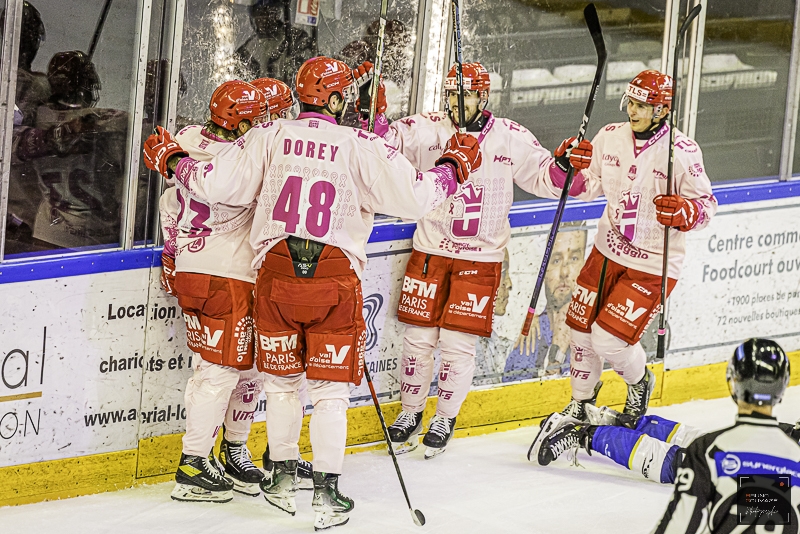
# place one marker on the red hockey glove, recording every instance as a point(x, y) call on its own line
point(677, 212)
point(463, 153)
point(168, 274)
point(363, 73)
point(158, 148)
point(579, 156)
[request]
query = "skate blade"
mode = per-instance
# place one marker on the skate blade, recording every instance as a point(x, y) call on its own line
point(406, 446)
point(189, 493)
point(251, 489)
point(326, 520)
point(431, 452)
point(305, 483)
point(282, 502)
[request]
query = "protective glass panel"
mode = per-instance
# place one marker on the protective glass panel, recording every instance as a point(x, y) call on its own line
point(248, 39)
point(542, 60)
point(69, 139)
point(743, 87)
point(154, 112)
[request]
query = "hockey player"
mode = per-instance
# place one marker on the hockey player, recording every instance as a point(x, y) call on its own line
point(207, 247)
point(618, 291)
point(318, 186)
point(452, 277)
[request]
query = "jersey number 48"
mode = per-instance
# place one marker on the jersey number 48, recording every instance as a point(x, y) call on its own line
point(317, 217)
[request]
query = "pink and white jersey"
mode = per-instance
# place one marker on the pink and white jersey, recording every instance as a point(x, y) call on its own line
point(316, 180)
point(168, 208)
point(473, 224)
point(630, 179)
point(213, 238)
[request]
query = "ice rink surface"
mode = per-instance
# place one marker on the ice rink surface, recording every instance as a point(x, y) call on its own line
point(481, 484)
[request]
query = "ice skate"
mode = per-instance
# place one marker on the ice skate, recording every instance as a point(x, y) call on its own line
point(551, 424)
point(198, 479)
point(605, 416)
point(577, 408)
point(331, 508)
point(569, 434)
point(439, 434)
point(304, 470)
point(280, 486)
point(639, 395)
point(404, 432)
point(239, 468)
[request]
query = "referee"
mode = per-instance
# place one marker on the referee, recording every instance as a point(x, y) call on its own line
point(742, 479)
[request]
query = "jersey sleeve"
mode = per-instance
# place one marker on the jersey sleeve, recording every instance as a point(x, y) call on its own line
point(691, 180)
point(168, 212)
point(692, 496)
point(593, 175)
point(396, 187)
point(402, 137)
point(232, 176)
point(532, 174)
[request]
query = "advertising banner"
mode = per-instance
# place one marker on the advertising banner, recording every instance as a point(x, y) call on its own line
point(71, 359)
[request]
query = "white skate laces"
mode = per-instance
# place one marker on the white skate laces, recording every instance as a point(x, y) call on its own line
point(405, 420)
point(241, 456)
point(440, 425)
point(212, 469)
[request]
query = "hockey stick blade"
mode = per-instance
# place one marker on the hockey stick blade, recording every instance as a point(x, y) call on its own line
point(417, 517)
point(593, 24)
point(689, 18)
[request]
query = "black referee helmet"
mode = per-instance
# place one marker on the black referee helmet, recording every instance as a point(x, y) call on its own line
point(758, 372)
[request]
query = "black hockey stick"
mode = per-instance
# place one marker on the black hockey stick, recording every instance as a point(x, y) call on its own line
point(662, 321)
point(378, 67)
point(462, 126)
point(593, 23)
point(99, 29)
point(416, 515)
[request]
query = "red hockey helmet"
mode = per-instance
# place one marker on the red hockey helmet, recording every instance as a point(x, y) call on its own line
point(278, 94)
point(649, 87)
point(320, 77)
point(235, 101)
point(476, 78)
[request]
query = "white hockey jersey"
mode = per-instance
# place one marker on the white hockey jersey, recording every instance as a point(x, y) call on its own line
point(315, 180)
point(212, 238)
point(473, 224)
point(168, 208)
point(630, 178)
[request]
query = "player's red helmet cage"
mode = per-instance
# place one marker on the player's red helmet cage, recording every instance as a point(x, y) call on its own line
point(476, 78)
point(235, 101)
point(278, 94)
point(320, 77)
point(649, 87)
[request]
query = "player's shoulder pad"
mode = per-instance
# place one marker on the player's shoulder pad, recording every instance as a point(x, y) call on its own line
point(373, 143)
point(612, 127)
point(428, 118)
point(685, 144)
point(514, 131)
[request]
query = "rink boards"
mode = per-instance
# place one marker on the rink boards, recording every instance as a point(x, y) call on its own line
point(93, 360)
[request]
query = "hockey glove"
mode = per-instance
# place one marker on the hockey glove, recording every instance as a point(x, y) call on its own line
point(677, 212)
point(168, 274)
point(362, 104)
point(159, 148)
point(463, 153)
point(579, 156)
point(363, 73)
